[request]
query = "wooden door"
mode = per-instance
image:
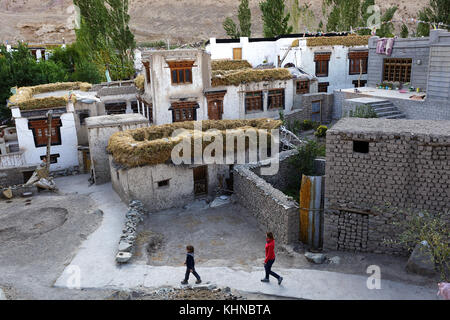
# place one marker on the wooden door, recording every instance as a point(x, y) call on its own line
point(215, 108)
point(200, 180)
point(237, 53)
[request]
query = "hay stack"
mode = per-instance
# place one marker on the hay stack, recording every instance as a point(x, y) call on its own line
point(346, 41)
point(153, 145)
point(236, 77)
point(25, 101)
point(225, 64)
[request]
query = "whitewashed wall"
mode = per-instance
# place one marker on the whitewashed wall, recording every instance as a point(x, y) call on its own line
point(302, 56)
point(68, 155)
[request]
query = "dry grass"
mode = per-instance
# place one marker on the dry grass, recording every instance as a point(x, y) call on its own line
point(347, 41)
point(236, 77)
point(153, 145)
point(139, 82)
point(226, 64)
point(25, 101)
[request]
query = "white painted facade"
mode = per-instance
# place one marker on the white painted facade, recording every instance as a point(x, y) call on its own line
point(67, 150)
point(302, 56)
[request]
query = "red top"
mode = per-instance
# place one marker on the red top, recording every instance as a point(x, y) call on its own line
point(270, 253)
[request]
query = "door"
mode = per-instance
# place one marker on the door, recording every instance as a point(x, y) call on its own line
point(237, 53)
point(87, 161)
point(315, 111)
point(215, 108)
point(200, 180)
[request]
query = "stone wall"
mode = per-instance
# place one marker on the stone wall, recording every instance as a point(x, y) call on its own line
point(419, 110)
point(14, 176)
point(407, 165)
point(303, 107)
point(274, 210)
point(100, 130)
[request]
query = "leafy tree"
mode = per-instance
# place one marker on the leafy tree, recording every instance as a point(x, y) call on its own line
point(276, 21)
point(387, 28)
point(438, 11)
point(365, 16)
point(244, 17)
point(231, 28)
point(301, 13)
point(404, 32)
point(344, 14)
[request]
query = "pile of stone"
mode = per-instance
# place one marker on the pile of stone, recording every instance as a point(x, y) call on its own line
point(134, 215)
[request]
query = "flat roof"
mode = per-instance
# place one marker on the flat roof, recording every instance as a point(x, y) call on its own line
point(114, 120)
point(392, 126)
point(383, 93)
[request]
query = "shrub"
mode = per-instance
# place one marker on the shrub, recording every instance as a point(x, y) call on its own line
point(308, 125)
point(363, 111)
point(321, 131)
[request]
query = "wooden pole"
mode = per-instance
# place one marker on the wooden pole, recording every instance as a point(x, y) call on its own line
point(49, 138)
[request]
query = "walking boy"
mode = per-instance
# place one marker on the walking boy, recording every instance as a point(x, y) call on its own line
point(190, 266)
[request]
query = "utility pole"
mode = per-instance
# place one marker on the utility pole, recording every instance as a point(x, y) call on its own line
point(49, 137)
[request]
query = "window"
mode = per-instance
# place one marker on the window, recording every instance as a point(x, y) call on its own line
point(40, 128)
point(83, 115)
point(362, 83)
point(358, 62)
point(147, 70)
point(53, 157)
point(253, 101)
point(323, 86)
point(184, 111)
point(396, 69)
point(276, 99)
point(302, 86)
point(361, 146)
point(237, 53)
point(116, 108)
point(322, 60)
point(163, 183)
point(181, 71)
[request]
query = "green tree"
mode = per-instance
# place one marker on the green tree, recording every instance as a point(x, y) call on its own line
point(301, 14)
point(387, 28)
point(276, 21)
point(245, 16)
point(231, 28)
point(344, 14)
point(438, 11)
point(404, 32)
point(245, 24)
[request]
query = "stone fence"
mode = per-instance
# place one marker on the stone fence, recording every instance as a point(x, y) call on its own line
point(274, 210)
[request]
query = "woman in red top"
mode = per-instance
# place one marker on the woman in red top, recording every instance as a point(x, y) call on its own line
point(270, 258)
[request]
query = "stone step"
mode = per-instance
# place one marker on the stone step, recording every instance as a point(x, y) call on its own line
point(396, 116)
point(386, 109)
point(388, 113)
point(381, 104)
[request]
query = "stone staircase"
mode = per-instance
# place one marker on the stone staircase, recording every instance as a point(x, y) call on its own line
point(386, 110)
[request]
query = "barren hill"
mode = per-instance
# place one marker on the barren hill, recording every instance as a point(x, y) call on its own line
point(44, 21)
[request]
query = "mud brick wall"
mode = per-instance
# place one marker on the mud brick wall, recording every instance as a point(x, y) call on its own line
point(273, 210)
point(407, 165)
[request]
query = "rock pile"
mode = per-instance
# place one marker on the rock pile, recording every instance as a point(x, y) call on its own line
point(134, 215)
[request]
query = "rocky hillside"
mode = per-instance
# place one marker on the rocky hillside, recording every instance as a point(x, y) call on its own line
point(176, 20)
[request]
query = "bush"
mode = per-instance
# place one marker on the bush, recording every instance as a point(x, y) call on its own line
point(308, 125)
point(303, 163)
point(321, 131)
point(363, 111)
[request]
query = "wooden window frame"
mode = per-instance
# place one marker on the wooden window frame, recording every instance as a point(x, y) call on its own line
point(322, 61)
point(397, 69)
point(240, 53)
point(181, 72)
point(147, 70)
point(252, 99)
point(39, 129)
point(354, 62)
point(302, 86)
point(362, 82)
point(184, 111)
point(276, 96)
point(53, 157)
point(323, 84)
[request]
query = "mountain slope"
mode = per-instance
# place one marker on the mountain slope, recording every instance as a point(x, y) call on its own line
point(175, 20)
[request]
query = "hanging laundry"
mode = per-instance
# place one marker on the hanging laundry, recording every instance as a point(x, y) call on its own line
point(389, 46)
